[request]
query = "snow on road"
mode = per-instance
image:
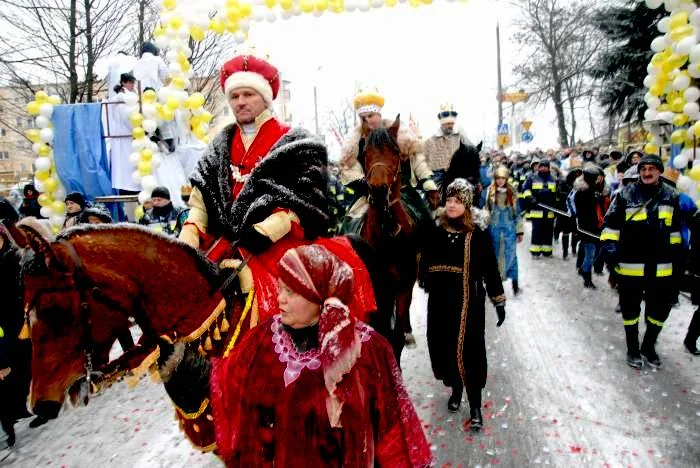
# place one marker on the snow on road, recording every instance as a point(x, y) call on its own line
point(559, 393)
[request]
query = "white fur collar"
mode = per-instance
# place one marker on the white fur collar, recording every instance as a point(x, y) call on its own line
point(408, 142)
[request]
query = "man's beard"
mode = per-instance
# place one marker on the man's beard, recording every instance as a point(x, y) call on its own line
point(447, 131)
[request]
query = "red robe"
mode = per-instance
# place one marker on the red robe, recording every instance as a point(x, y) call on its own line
point(264, 417)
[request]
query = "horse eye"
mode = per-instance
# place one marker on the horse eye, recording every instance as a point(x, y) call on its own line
point(55, 317)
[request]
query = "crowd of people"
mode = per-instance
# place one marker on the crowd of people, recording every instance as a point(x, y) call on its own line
point(328, 388)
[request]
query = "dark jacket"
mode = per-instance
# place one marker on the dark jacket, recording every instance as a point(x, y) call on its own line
point(539, 189)
point(164, 219)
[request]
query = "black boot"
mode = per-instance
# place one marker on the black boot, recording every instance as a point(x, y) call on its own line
point(618, 308)
point(38, 421)
point(691, 338)
point(634, 359)
point(648, 349)
point(8, 426)
point(587, 281)
point(476, 420)
point(516, 287)
point(455, 400)
point(565, 245)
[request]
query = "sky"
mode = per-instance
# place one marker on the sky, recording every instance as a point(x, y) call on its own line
point(417, 58)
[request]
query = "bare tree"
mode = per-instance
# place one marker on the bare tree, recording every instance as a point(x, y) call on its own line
point(561, 43)
point(341, 120)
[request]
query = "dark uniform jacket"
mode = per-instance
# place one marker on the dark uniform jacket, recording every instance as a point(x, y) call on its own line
point(540, 190)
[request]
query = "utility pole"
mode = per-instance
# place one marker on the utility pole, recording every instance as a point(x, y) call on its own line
point(318, 133)
point(500, 88)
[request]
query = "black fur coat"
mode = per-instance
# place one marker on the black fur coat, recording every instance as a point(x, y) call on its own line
point(293, 176)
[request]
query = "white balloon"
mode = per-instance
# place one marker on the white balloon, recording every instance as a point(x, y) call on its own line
point(271, 16)
point(648, 81)
point(57, 219)
point(694, 70)
point(680, 161)
point(239, 37)
point(138, 145)
point(131, 99)
point(149, 125)
point(35, 147)
point(685, 184)
point(667, 116)
point(691, 109)
point(659, 43)
point(161, 42)
point(164, 93)
point(42, 122)
point(653, 4)
point(134, 158)
point(364, 6)
point(148, 183)
point(663, 24)
point(258, 14)
point(128, 110)
point(46, 212)
point(46, 135)
point(377, 3)
point(46, 109)
point(174, 68)
point(694, 54)
point(653, 70)
point(171, 56)
point(144, 196)
point(156, 160)
point(686, 45)
point(671, 5)
point(60, 193)
point(39, 185)
point(149, 111)
point(681, 82)
point(650, 114)
point(42, 164)
point(691, 94)
point(688, 8)
point(136, 177)
point(654, 102)
point(695, 17)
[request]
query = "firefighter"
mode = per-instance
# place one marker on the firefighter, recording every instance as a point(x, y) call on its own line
point(540, 191)
point(641, 239)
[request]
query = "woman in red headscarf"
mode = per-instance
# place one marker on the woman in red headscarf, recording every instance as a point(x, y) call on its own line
point(311, 386)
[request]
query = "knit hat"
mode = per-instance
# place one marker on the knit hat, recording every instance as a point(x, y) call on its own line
point(652, 159)
point(247, 71)
point(462, 190)
point(544, 162)
point(447, 113)
point(367, 102)
point(77, 198)
point(98, 211)
point(161, 192)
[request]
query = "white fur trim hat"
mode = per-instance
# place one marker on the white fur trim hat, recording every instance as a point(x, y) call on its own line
point(247, 71)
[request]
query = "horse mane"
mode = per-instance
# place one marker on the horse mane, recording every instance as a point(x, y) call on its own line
point(206, 267)
point(380, 138)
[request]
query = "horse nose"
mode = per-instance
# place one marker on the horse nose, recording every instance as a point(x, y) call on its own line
point(47, 409)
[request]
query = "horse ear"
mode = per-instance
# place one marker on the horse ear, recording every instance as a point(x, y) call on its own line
point(394, 129)
point(30, 237)
point(479, 146)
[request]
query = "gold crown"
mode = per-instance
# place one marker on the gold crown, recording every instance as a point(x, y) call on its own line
point(367, 99)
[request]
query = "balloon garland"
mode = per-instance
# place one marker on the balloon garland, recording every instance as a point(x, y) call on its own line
point(46, 181)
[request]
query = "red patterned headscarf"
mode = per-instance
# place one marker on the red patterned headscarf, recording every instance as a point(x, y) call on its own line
point(319, 276)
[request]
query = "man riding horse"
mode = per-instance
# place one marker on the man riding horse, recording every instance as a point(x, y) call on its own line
point(260, 188)
point(412, 169)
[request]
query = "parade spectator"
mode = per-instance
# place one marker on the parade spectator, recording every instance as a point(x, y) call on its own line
point(30, 203)
point(459, 253)
point(567, 224)
point(7, 211)
point(75, 204)
point(95, 215)
point(642, 240)
point(439, 148)
point(163, 216)
point(506, 225)
point(311, 386)
point(590, 210)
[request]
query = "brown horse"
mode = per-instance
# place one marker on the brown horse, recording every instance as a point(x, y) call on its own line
point(82, 289)
point(388, 227)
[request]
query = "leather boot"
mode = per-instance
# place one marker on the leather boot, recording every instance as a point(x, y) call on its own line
point(516, 287)
point(648, 350)
point(634, 359)
point(455, 400)
point(587, 280)
point(691, 338)
point(476, 420)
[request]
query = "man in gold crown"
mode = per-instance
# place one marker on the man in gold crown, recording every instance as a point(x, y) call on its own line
point(414, 170)
point(439, 148)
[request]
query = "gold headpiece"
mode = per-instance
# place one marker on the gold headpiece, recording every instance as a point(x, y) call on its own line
point(366, 102)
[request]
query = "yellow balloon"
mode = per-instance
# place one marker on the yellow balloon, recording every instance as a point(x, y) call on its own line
point(175, 22)
point(678, 136)
point(306, 6)
point(678, 19)
point(58, 207)
point(681, 32)
point(680, 120)
point(321, 5)
point(178, 82)
point(217, 26)
point(33, 135)
point(696, 129)
point(231, 4)
point(245, 9)
point(45, 199)
point(677, 104)
point(172, 102)
point(138, 133)
point(270, 3)
point(655, 90)
point(414, 3)
point(145, 167)
point(169, 4)
point(136, 119)
point(390, 3)
point(54, 99)
point(44, 150)
point(138, 212)
point(232, 16)
point(42, 175)
point(694, 173)
point(33, 108)
point(41, 97)
point(168, 114)
point(158, 31)
point(50, 184)
point(206, 117)
point(149, 97)
point(663, 107)
point(146, 154)
point(651, 148)
point(197, 33)
point(195, 101)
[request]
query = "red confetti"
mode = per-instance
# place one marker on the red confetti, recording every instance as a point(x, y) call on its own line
point(575, 448)
point(555, 421)
point(515, 452)
point(495, 461)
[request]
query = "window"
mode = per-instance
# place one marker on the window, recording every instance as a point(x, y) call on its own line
point(18, 121)
point(3, 132)
point(30, 123)
point(4, 156)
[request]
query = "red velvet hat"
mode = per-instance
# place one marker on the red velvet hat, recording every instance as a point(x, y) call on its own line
point(247, 71)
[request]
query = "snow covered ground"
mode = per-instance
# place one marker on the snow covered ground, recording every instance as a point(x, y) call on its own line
point(559, 393)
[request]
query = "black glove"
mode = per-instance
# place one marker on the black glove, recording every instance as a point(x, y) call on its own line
point(501, 311)
point(254, 242)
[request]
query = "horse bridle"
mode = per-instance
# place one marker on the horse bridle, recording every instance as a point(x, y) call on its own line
point(375, 165)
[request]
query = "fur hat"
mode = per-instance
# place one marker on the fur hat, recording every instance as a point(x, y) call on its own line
point(77, 198)
point(462, 190)
point(161, 192)
point(247, 71)
point(366, 102)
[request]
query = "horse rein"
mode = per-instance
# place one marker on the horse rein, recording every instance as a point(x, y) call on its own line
point(372, 167)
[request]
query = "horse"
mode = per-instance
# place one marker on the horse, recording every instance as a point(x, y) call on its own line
point(84, 286)
point(388, 226)
point(466, 164)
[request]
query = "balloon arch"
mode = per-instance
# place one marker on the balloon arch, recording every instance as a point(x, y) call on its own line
point(177, 24)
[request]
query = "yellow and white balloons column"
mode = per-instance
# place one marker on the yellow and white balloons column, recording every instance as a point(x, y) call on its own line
point(46, 180)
